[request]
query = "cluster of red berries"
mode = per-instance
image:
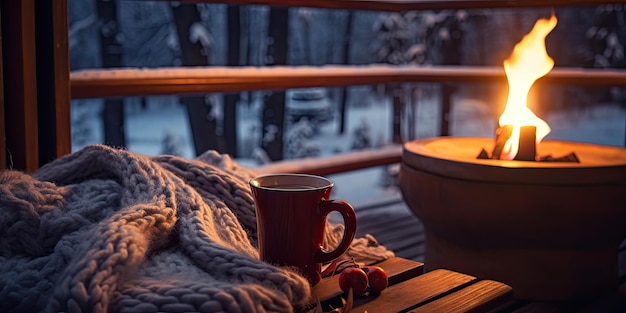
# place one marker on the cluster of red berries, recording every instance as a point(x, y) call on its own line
point(360, 280)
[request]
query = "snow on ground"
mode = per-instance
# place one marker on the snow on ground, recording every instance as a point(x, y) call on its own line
point(602, 124)
point(146, 130)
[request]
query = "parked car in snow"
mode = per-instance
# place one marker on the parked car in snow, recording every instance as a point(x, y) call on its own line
point(310, 103)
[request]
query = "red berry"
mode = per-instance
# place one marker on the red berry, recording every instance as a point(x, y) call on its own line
point(355, 278)
point(377, 278)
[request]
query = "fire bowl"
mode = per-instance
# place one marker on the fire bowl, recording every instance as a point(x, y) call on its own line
point(550, 230)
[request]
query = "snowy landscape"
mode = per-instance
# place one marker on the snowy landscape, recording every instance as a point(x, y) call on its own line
point(600, 124)
point(159, 124)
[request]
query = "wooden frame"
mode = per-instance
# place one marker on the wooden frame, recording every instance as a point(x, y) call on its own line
point(35, 71)
point(53, 86)
point(20, 83)
point(3, 148)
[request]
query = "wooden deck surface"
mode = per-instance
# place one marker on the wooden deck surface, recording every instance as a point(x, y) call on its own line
point(393, 224)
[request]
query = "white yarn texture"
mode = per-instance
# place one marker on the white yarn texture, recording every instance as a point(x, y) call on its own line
point(108, 230)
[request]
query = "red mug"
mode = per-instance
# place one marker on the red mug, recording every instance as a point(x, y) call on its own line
point(291, 211)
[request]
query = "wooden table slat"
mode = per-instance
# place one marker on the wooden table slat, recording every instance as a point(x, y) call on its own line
point(409, 294)
point(482, 296)
point(397, 269)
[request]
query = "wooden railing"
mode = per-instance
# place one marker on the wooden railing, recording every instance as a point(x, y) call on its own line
point(38, 86)
point(336, 164)
point(135, 82)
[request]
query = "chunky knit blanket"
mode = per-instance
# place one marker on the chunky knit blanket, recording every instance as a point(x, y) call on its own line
point(105, 229)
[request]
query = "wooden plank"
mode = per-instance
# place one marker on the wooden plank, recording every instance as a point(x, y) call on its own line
point(416, 240)
point(199, 80)
point(3, 148)
point(407, 5)
point(381, 204)
point(409, 227)
point(413, 292)
point(397, 269)
point(336, 164)
point(62, 97)
point(415, 253)
point(401, 233)
point(409, 248)
point(53, 86)
point(479, 297)
point(372, 221)
point(20, 83)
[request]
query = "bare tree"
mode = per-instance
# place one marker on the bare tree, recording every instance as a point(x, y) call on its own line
point(419, 38)
point(273, 115)
point(111, 55)
point(194, 42)
point(231, 99)
point(346, 60)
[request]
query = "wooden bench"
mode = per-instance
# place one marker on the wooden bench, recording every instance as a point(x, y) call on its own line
point(412, 290)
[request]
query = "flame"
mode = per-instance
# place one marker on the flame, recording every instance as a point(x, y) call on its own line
point(528, 62)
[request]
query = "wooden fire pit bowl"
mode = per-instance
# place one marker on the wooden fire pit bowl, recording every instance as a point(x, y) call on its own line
point(549, 230)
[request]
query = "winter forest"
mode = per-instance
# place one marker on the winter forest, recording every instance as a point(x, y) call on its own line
point(265, 126)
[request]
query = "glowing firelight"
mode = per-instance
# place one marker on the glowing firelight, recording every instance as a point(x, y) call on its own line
point(528, 62)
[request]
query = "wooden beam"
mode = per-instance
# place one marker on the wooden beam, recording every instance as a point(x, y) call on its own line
point(336, 164)
point(53, 86)
point(61, 59)
point(409, 5)
point(199, 80)
point(20, 83)
point(3, 147)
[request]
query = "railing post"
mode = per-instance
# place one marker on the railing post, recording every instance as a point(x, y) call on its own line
point(396, 115)
point(3, 138)
point(446, 105)
point(53, 83)
point(20, 83)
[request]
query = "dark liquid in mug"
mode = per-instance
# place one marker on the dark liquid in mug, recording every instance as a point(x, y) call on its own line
point(291, 186)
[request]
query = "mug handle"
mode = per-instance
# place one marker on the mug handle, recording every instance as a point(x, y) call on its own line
point(349, 219)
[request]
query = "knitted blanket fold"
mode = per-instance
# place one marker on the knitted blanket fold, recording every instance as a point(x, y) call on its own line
point(104, 230)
